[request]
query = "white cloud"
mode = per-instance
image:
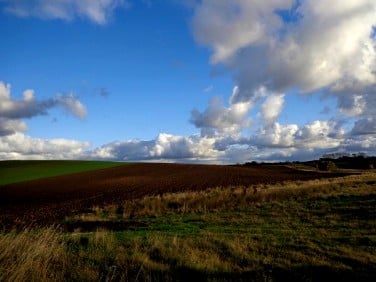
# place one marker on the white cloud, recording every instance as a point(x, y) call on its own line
point(11, 126)
point(14, 144)
point(322, 48)
point(317, 51)
point(315, 130)
point(352, 105)
point(276, 142)
point(361, 143)
point(21, 146)
point(320, 135)
point(364, 126)
point(97, 11)
point(327, 46)
point(208, 89)
point(163, 147)
point(131, 150)
point(271, 143)
point(219, 120)
point(29, 107)
point(169, 146)
point(228, 26)
point(272, 108)
point(276, 135)
point(70, 103)
point(4, 91)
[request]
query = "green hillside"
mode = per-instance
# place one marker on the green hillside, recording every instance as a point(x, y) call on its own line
point(17, 171)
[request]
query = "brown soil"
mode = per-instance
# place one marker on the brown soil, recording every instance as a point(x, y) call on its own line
point(49, 200)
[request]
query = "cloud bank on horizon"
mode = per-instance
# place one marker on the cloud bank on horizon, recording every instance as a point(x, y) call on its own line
point(273, 49)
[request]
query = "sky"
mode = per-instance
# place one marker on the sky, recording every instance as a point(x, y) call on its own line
point(210, 81)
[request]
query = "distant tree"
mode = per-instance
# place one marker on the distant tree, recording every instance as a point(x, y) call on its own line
point(326, 165)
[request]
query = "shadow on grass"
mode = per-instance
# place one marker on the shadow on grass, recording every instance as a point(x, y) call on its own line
point(305, 273)
point(92, 226)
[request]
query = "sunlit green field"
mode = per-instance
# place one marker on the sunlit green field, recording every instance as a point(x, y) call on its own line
point(17, 171)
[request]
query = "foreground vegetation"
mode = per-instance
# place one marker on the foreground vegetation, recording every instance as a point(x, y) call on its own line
point(17, 171)
point(304, 231)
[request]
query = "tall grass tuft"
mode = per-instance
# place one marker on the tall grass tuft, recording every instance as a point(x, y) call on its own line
point(32, 256)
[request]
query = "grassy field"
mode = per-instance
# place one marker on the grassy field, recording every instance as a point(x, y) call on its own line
point(320, 230)
point(18, 171)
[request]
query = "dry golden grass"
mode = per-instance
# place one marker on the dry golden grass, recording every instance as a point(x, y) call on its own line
point(32, 256)
point(229, 198)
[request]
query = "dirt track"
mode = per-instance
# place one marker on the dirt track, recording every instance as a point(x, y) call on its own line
point(49, 200)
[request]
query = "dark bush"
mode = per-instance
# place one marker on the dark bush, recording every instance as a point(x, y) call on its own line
point(326, 165)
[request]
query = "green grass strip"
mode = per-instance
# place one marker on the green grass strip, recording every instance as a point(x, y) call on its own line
point(18, 171)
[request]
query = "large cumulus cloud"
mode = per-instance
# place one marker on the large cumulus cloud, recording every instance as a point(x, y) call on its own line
point(20, 146)
point(327, 45)
point(163, 148)
point(219, 120)
point(311, 47)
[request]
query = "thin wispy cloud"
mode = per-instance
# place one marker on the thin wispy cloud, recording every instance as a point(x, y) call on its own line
point(96, 11)
point(208, 89)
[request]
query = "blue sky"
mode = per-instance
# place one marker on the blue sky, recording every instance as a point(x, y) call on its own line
point(186, 81)
point(152, 71)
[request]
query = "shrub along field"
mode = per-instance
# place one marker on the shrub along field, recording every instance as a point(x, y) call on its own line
point(312, 230)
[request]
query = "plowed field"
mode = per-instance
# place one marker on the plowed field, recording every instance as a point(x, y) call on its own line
point(49, 200)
